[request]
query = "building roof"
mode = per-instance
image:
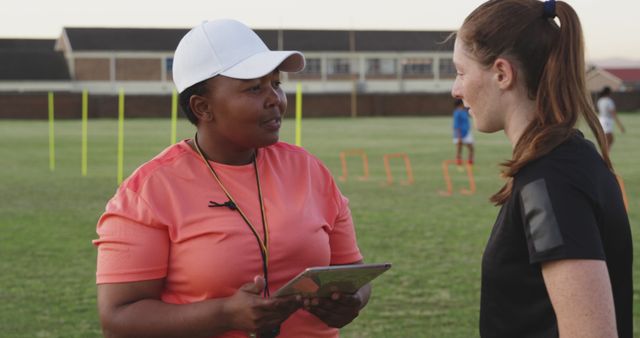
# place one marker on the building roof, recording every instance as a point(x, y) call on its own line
point(124, 39)
point(33, 65)
point(315, 40)
point(27, 44)
point(403, 41)
point(598, 78)
point(626, 74)
point(152, 39)
point(366, 41)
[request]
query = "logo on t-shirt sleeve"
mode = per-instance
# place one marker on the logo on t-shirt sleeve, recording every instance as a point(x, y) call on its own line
point(540, 221)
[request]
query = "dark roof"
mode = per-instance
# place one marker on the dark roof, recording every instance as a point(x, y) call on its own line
point(403, 41)
point(33, 65)
point(139, 39)
point(27, 44)
point(316, 40)
point(124, 39)
point(367, 41)
point(270, 37)
point(151, 39)
point(626, 74)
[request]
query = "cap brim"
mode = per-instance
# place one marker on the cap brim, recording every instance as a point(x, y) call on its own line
point(261, 64)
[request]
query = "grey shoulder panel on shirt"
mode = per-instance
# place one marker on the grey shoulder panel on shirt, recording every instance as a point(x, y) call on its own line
point(539, 219)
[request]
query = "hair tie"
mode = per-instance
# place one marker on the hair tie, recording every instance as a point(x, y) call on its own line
point(549, 11)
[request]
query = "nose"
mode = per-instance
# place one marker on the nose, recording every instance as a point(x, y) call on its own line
point(275, 97)
point(456, 90)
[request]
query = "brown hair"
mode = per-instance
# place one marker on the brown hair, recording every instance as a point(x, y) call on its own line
point(550, 58)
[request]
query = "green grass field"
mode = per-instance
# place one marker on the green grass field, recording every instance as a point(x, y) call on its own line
point(47, 219)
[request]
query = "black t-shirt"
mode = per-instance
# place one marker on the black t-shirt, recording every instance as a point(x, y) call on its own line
point(565, 205)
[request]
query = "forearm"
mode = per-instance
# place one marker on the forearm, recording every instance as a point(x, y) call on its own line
point(155, 318)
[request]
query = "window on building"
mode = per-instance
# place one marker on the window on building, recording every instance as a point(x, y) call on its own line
point(169, 68)
point(381, 68)
point(313, 66)
point(417, 68)
point(169, 62)
point(447, 69)
point(339, 66)
point(312, 70)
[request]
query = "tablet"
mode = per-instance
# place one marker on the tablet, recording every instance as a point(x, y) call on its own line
point(321, 281)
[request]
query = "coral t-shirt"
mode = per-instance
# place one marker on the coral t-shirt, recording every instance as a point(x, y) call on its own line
point(159, 225)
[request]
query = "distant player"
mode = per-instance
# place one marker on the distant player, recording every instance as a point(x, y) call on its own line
point(608, 115)
point(462, 131)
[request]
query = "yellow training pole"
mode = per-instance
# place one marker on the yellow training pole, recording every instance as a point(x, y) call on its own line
point(299, 114)
point(174, 116)
point(52, 148)
point(85, 115)
point(354, 99)
point(120, 135)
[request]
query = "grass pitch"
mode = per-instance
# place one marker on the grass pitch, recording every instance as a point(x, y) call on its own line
point(47, 219)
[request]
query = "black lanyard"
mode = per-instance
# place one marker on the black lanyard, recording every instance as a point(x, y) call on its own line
point(233, 205)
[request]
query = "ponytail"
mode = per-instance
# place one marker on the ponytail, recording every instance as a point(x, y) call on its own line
point(551, 58)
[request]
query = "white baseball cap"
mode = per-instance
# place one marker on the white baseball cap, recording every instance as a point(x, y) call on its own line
point(230, 48)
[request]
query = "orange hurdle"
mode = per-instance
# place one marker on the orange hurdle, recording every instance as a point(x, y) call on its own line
point(624, 194)
point(365, 163)
point(447, 179)
point(407, 166)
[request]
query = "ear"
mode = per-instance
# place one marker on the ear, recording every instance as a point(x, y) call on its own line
point(504, 73)
point(201, 107)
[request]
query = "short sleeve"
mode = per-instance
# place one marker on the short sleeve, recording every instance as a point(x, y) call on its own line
point(559, 221)
point(132, 245)
point(342, 238)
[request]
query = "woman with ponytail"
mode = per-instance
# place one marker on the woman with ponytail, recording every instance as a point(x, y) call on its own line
point(558, 262)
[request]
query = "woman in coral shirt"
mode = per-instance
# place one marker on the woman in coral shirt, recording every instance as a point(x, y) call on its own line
point(196, 239)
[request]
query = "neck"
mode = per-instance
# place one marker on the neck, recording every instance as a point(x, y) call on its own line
point(518, 118)
point(220, 154)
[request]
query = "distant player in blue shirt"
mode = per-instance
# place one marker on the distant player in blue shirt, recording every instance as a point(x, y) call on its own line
point(462, 131)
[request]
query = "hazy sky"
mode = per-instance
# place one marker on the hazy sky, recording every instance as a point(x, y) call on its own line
point(612, 27)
